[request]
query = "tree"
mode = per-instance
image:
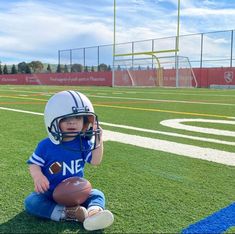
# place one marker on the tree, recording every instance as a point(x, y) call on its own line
point(92, 68)
point(66, 70)
point(22, 67)
point(86, 69)
point(58, 69)
point(102, 67)
point(0, 69)
point(109, 68)
point(48, 68)
point(13, 69)
point(28, 69)
point(36, 66)
point(5, 70)
point(76, 68)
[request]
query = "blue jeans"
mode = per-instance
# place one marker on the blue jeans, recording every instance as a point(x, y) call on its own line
point(42, 204)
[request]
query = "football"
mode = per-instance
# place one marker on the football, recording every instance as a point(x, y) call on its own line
point(72, 191)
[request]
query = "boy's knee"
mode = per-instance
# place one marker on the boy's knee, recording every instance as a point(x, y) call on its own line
point(30, 202)
point(96, 192)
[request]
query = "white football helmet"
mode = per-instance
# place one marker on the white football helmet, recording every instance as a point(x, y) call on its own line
point(67, 104)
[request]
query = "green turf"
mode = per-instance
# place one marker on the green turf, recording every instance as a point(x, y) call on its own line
point(148, 191)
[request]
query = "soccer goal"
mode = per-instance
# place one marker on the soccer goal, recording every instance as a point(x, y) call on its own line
point(168, 71)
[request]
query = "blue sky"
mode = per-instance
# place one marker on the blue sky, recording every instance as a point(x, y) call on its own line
point(37, 29)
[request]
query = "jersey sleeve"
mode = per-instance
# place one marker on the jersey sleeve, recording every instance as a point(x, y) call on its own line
point(37, 156)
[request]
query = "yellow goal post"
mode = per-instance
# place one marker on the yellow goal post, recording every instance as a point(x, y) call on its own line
point(121, 60)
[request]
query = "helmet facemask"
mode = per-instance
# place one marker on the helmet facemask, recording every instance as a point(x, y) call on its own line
point(90, 131)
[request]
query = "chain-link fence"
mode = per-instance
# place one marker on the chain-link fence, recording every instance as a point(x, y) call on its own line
point(210, 49)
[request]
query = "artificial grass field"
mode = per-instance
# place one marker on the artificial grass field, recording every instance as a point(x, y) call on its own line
point(148, 191)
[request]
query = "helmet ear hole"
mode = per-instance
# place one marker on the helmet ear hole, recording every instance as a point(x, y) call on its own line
point(85, 123)
point(88, 122)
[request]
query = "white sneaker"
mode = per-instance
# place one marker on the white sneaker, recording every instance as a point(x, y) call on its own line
point(100, 220)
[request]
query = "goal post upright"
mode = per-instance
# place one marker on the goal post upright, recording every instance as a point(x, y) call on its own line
point(153, 53)
point(114, 39)
point(177, 44)
point(178, 27)
point(163, 51)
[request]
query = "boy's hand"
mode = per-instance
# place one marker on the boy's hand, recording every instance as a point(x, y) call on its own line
point(41, 183)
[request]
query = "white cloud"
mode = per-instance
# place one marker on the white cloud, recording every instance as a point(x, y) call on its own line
point(36, 29)
point(32, 28)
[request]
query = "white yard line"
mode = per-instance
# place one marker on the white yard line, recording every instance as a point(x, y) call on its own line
point(21, 111)
point(163, 100)
point(170, 134)
point(208, 154)
point(219, 156)
point(145, 130)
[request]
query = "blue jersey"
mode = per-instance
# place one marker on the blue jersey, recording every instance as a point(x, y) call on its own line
point(59, 162)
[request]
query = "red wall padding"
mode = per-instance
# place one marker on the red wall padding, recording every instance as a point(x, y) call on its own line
point(215, 76)
point(205, 77)
point(81, 78)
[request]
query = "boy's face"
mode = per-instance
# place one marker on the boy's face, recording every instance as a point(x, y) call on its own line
point(71, 124)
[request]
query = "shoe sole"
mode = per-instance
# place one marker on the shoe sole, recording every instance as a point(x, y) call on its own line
point(101, 220)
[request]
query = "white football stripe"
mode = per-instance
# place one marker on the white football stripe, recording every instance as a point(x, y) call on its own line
point(38, 158)
point(22, 111)
point(35, 162)
point(141, 129)
point(206, 139)
point(208, 154)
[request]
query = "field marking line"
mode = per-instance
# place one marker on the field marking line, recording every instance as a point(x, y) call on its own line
point(142, 99)
point(170, 134)
point(177, 124)
point(175, 92)
point(217, 222)
point(230, 143)
point(136, 91)
point(136, 108)
point(208, 154)
point(213, 155)
point(164, 111)
point(21, 111)
point(21, 91)
point(163, 100)
point(25, 98)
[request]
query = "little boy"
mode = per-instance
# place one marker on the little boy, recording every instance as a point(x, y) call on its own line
point(74, 138)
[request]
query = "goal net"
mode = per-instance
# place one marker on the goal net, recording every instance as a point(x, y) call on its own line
point(170, 71)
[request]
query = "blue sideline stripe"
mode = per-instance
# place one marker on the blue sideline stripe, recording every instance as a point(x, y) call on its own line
point(218, 222)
